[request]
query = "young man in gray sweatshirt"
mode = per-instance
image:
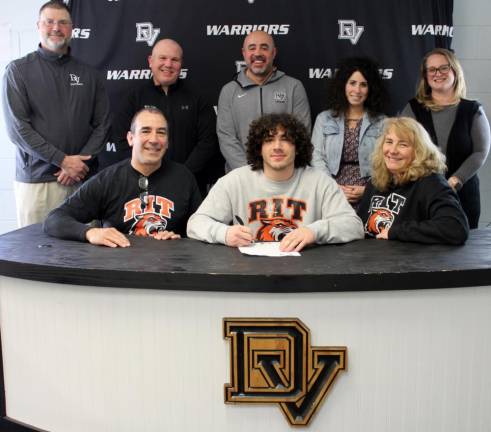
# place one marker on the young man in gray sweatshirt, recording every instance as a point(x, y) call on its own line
point(278, 196)
point(259, 89)
point(57, 114)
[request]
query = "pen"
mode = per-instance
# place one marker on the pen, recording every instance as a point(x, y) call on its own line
point(241, 222)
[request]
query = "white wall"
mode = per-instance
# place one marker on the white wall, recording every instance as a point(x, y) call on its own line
point(18, 36)
point(472, 43)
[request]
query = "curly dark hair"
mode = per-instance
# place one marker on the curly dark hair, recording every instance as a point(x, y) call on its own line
point(376, 102)
point(266, 126)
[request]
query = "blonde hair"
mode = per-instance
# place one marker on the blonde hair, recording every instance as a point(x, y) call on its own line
point(423, 89)
point(427, 157)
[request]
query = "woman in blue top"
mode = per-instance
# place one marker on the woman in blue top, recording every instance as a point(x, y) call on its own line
point(345, 135)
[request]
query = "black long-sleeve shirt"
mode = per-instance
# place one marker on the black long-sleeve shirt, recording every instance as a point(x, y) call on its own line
point(191, 123)
point(113, 197)
point(424, 211)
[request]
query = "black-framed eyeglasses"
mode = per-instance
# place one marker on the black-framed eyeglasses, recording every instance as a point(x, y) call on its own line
point(51, 22)
point(143, 185)
point(443, 69)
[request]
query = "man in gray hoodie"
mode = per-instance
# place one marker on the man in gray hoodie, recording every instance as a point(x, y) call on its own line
point(57, 114)
point(258, 89)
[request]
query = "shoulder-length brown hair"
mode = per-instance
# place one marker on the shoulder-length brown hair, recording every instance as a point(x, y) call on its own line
point(423, 89)
point(427, 157)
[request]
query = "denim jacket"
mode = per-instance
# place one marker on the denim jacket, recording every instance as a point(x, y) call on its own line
point(328, 140)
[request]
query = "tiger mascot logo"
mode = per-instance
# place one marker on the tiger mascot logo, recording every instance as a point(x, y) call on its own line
point(148, 224)
point(274, 229)
point(378, 220)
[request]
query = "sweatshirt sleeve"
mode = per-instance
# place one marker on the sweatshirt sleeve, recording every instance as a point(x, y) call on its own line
point(68, 221)
point(210, 222)
point(230, 145)
point(445, 220)
point(480, 135)
point(100, 121)
point(339, 223)
point(17, 119)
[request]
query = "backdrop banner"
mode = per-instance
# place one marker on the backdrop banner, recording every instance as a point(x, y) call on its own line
point(116, 36)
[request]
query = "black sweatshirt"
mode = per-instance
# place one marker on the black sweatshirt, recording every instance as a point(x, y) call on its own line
point(423, 211)
point(191, 123)
point(113, 197)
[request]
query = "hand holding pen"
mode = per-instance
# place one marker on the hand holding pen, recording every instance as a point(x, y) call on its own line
point(239, 235)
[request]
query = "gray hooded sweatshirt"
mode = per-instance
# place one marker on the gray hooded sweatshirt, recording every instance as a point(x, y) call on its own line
point(243, 101)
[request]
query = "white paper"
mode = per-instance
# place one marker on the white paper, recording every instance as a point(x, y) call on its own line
point(271, 249)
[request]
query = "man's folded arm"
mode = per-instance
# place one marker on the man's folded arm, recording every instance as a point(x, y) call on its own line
point(69, 220)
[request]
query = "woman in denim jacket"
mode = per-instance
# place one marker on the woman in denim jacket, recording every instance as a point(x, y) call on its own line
point(344, 136)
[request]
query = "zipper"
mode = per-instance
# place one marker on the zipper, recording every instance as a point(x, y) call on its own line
point(261, 99)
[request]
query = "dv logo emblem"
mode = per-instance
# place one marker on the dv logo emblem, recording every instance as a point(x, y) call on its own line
point(145, 32)
point(350, 31)
point(272, 361)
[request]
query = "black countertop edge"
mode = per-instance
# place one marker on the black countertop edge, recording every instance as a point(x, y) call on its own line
point(248, 283)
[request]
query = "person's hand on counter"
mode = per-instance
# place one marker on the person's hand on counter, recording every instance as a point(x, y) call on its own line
point(165, 235)
point(110, 237)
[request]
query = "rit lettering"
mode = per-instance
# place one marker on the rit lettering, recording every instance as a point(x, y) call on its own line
point(134, 207)
point(394, 202)
point(276, 207)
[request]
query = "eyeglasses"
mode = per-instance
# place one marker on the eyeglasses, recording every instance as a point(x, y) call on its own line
point(51, 23)
point(443, 69)
point(143, 185)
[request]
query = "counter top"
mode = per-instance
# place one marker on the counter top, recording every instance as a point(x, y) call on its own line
point(186, 264)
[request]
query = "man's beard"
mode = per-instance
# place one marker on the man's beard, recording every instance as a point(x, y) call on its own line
point(57, 45)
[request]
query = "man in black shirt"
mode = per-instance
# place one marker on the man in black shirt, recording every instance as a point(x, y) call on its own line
point(144, 196)
point(192, 121)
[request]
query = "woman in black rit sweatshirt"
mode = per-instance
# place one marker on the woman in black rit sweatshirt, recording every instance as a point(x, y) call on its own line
point(408, 198)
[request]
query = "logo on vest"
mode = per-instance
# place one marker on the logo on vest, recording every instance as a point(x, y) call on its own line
point(272, 361)
point(75, 80)
point(145, 32)
point(349, 30)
